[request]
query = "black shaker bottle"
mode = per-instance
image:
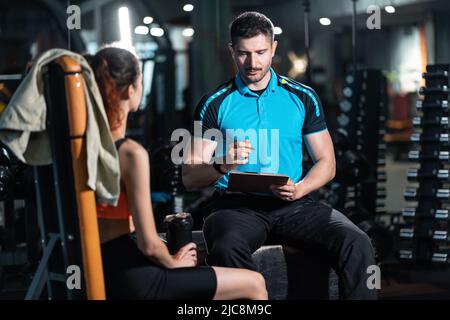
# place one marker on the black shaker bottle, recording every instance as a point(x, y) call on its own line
point(179, 230)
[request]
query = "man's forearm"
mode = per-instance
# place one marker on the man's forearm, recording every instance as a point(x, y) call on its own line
point(319, 175)
point(199, 175)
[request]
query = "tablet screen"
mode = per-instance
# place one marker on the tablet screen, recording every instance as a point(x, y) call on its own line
point(254, 182)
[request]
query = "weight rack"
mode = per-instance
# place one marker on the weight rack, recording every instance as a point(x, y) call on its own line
point(424, 238)
point(362, 118)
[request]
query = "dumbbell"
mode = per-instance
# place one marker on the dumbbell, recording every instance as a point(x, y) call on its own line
point(435, 74)
point(437, 214)
point(411, 255)
point(437, 104)
point(416, 174)
point(442, 138)
point(381, 192)
point(439, 89)
point(345, 105)
point(440, 258)
point(407, 255)
point(351, 166)
point(416, 155)
point(381, 176)
point(413, 194)
point(441, 236)
point(418, 122)
point(432, 229)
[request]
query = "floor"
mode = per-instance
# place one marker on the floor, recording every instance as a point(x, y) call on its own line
point(402, 282)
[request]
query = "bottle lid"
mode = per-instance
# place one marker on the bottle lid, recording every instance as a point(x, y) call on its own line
point(179, 215)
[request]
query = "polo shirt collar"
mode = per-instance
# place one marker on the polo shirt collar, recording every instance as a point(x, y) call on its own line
point(244, 90)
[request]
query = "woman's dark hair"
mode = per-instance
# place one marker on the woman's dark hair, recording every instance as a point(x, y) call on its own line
point(249, 25)
point(115, 70)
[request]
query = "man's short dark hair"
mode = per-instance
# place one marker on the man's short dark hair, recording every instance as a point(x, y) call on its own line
point(249, 25)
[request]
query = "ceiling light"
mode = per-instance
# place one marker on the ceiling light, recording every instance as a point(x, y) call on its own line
point(188, 7)
point(157, 32)
point(148, 20)
point(325, 21)
point(141, 30)
point(124, 27)
point(389, 9)
point(188, 32)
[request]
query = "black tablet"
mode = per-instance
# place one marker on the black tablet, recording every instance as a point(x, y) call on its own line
point(254, 182)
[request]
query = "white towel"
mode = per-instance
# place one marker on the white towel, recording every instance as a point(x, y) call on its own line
point(23, 127)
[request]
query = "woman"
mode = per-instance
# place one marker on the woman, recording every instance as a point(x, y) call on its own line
point(145, 269)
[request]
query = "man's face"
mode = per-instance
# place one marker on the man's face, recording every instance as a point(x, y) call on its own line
point(253, 57)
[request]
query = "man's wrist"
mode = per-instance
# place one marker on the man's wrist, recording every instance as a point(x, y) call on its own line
point(298, 190)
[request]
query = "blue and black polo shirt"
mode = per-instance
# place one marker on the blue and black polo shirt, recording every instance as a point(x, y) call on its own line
point(274, 122)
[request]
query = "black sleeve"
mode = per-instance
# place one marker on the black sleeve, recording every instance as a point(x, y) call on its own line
point(314, 116)
point(205, 117)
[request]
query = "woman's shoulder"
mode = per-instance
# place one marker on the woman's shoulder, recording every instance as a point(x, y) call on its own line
point(133, 149)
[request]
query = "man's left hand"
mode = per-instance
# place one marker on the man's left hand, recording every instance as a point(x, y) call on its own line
point(288, 192)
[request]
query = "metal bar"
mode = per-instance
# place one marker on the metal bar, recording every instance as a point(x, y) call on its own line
point(40, 217)
point(307, 10)
point(59, 210)
point(41, 275)
point(4, 77)
point(98, 25)
point(69, 42)
point(354, 35)
point(57, 277)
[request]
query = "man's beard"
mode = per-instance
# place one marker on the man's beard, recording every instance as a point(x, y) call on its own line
point(252, 79)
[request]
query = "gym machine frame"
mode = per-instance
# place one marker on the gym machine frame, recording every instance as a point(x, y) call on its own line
point(73, 228)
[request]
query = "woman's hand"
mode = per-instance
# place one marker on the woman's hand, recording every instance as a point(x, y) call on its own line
point(186, 256)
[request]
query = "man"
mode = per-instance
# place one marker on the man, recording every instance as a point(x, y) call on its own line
point(259, 99)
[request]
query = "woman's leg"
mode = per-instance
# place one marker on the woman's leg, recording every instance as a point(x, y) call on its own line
point(235, 283)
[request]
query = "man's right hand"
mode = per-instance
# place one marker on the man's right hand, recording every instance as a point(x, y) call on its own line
point(238, 153)
point(198, 171)
point(186, 256)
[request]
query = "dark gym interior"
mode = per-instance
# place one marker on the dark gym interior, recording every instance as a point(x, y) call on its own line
point(381, 71)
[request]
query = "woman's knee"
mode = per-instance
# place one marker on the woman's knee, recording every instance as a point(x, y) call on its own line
point(260, 289)
point(254, 285)
point(233, 283)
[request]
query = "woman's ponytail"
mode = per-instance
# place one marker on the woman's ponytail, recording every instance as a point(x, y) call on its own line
point(115, 70)
point(108, 90)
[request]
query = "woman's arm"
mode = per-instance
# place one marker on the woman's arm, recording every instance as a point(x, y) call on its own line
point(135, 170)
